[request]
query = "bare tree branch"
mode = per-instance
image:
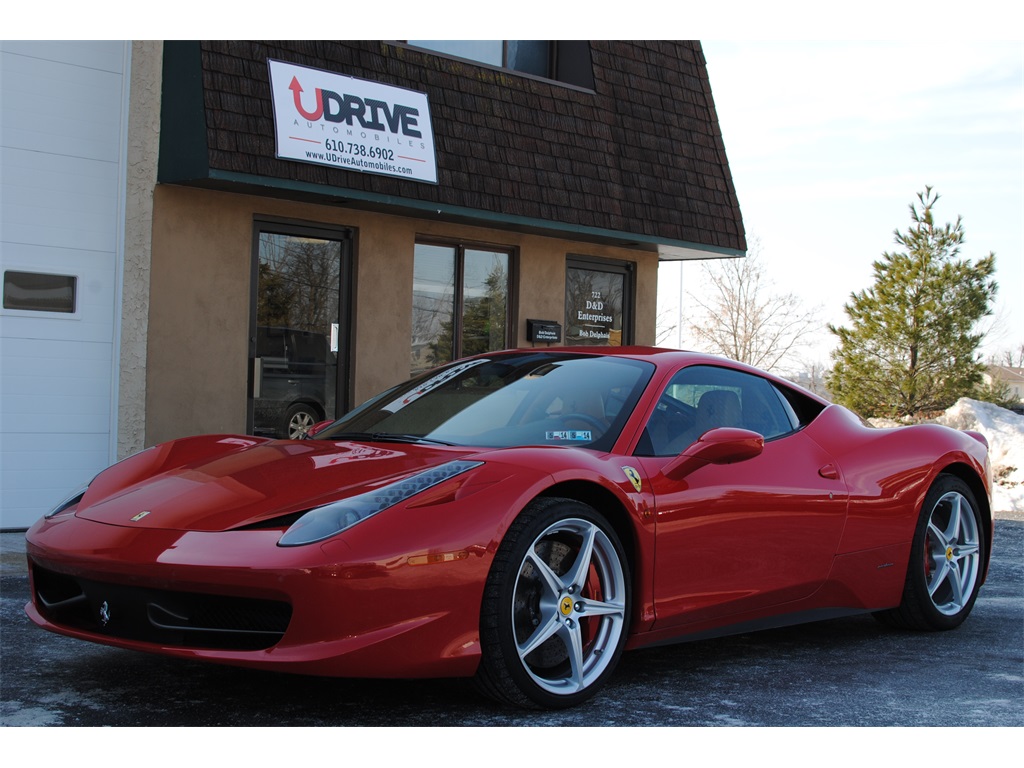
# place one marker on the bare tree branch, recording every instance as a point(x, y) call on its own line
point(744, 319)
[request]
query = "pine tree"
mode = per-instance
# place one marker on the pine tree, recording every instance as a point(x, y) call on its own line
point(912, 344)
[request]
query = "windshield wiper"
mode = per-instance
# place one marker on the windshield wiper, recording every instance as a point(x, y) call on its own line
point(386, 437)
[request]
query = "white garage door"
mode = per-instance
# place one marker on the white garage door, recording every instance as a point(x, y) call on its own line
point(63, 117)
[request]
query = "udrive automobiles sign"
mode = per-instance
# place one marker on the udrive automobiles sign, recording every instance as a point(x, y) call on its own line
point(358, 125)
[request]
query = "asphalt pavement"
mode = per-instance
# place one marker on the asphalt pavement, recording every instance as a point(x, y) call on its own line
point(844, 672)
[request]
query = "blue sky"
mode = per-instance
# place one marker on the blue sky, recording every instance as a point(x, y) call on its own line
point(829, 142)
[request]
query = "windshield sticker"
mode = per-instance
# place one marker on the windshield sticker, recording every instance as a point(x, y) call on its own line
point(570, 434)
point(634, 478)
point(431, 384)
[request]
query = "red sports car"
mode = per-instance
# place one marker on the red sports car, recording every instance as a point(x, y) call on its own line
point(521, 517)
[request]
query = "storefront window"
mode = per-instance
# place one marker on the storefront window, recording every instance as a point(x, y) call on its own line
point(459, 303)
point(598, 301)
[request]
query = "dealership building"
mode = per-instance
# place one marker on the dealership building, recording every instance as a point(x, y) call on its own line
point(249, 237)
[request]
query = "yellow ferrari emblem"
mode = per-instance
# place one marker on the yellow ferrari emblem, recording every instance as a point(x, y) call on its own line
point(634, 478)
point(566, 605)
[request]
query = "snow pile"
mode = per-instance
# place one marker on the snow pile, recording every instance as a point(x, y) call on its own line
point(1004, 431)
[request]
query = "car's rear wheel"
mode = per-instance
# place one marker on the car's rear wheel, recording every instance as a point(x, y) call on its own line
point(556, 607)
point(947, 558)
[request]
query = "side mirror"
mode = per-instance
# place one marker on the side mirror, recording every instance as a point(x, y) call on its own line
point(320, 426)
point(722, 445)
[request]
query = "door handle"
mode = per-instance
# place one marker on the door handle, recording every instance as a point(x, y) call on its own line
point(257, 376)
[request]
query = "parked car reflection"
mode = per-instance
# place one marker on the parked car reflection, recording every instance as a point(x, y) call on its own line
point(297, 382)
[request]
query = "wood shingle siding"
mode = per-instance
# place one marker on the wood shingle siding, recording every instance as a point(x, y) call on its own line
point(640, 154)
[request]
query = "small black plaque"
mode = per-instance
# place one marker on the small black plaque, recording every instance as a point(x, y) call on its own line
point(543, 330)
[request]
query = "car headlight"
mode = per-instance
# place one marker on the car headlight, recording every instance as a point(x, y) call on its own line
point(326, 521)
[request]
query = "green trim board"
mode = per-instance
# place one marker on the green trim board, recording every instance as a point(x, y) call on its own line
point(328, 195)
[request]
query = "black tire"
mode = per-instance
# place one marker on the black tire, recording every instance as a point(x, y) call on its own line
point(297, 421)
point(947, 560)
point(552, 630)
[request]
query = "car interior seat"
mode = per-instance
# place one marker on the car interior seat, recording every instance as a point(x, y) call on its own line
point(718, 408)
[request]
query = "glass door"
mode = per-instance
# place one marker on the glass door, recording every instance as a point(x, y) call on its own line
point(598, 302)
point(299, 339)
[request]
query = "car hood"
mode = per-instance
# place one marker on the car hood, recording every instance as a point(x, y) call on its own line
point(241, 485)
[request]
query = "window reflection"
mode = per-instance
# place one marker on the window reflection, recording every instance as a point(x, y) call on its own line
point(297, 315)
point(34, 291)
point(530, 56)
point(459, 303)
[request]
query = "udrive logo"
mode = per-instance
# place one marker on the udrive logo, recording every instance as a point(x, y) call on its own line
point(371, 114)
point(346, 122)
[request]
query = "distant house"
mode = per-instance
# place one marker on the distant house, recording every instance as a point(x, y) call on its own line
point(1012, 378)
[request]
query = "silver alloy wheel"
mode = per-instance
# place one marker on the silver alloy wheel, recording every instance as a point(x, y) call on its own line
point(299, 424)
point(568, 606)
point(952, 552)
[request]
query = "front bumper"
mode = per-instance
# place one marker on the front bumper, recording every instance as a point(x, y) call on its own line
point(236, 597)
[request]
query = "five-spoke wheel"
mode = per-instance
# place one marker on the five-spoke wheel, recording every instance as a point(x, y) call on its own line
point(556, 606)
point(947, 558)
point(952, 553)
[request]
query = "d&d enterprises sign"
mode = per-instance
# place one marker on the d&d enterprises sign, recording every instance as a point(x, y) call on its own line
point(358, 125)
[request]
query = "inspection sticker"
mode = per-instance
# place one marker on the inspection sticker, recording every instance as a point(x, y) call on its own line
point(570, 434)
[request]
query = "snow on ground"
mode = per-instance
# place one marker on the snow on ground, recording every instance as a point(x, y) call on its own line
point(1004, 431)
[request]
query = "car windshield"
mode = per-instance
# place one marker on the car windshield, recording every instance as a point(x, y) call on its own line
point(529, 398)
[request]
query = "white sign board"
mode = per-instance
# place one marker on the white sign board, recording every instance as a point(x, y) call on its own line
point(358, 125)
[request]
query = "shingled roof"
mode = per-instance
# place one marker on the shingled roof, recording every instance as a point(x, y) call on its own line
point(639, 158)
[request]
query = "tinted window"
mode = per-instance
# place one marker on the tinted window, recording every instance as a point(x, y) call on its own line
point(530, 56)
point(459, 303)
point(39, 292)
point(704, 397)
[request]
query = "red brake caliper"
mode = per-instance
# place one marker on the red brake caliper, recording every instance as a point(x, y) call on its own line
point(591, 591)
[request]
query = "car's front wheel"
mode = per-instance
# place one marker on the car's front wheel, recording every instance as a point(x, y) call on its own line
point(556, 607)
point(947, 558)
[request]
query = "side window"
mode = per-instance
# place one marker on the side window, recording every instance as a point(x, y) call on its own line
point(703, 397)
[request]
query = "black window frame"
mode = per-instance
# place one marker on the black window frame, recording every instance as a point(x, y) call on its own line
point(460, 247)
point(570, 62)
point(627, 269)
point(348, 238)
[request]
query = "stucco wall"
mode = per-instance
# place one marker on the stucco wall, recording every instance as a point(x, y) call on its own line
point(143, 150)
point(200, 294)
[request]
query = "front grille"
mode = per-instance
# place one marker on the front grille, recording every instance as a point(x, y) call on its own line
point(165, 617)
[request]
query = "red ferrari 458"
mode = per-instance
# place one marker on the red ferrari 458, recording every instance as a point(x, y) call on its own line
point(522, 518)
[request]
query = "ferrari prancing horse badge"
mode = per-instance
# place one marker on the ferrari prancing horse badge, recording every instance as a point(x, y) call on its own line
point(634, 478)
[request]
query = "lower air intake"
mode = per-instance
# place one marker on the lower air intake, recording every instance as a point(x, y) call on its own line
point(165, 617)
